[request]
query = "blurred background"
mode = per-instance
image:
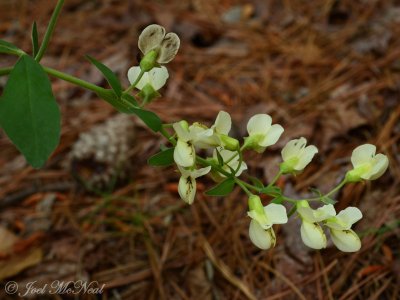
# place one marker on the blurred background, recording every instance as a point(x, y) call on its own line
point(326, 70)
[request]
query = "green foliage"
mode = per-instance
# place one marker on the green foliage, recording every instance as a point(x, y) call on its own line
point(223, 188)
point(324, 199)
point(8, 48)
point(163, 158)
point(257, 182)
point(149, 118)
point(112, 79)
point(35, 40)
point(29, 113)
point(272, 191)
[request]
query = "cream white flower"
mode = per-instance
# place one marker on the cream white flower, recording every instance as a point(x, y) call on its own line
point(231, 160)
point(188, 138)
point(311, 232)
point(156, 77)
point(260, 237)
point(262, 133)
point(367, 165)
point(268, 215)
point(158, 46)
point(187, 182)
point(260, 231)
point(220, 128)
point(296, 156)
point(343, 237)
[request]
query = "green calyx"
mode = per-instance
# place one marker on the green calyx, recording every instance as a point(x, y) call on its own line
point(355, 175)
point(288, 166)
point(148, 94)
point(255, 204)
point(229, 142)
point(149, 61)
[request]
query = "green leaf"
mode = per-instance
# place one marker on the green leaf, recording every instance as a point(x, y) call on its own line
point(35, 40)
point(29, 113)
point(220, 159)
point(272, 191)
point(163, 158)
point(130, 99)
point(8, 48)
point(222, 189)
point(149, 118)
point(108, 74)
point(118, 103)
point(277, 200)
point(328, 200)
point(257, 182)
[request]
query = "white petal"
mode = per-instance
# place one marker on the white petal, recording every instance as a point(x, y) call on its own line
point(380, 165)
point(169, 48)
point(346, 240)
point(317, 215)
point(273, 135)
point(187, 189)
point(181, 132)
point(259, 124)
point(133, 74)
point(151, 38)
point(276, 213)
point(362, 154)
point(263, 239)
point(201, 172)
point(184, 154)
point(312, 235)
point(223, 123)
point(292, 148)
point(306, 157)
point(242, 168)
point(350, 215)
point(185, 172)
point(158, 77)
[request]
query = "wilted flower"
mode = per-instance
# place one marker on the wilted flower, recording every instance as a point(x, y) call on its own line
point(262, 133)
point(343, 237)
point(311, 232)
point(296, 156)
point(260, 231)
point(157, 46)
point(187, 182)
point(366, 164)
point(155, 78)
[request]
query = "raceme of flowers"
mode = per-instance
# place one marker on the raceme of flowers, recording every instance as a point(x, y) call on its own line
point(225, 159)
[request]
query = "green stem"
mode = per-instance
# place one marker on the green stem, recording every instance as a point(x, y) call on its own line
point(339, 186)
point(74, 80)
point(136, 82)
point(165, 133)
point(63, 76)
point(274, 179)
point(49, 30)
point(243, 187)
point(5, 71)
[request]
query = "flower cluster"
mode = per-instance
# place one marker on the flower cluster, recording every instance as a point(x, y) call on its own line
point(224, 160)
point(296, 155)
